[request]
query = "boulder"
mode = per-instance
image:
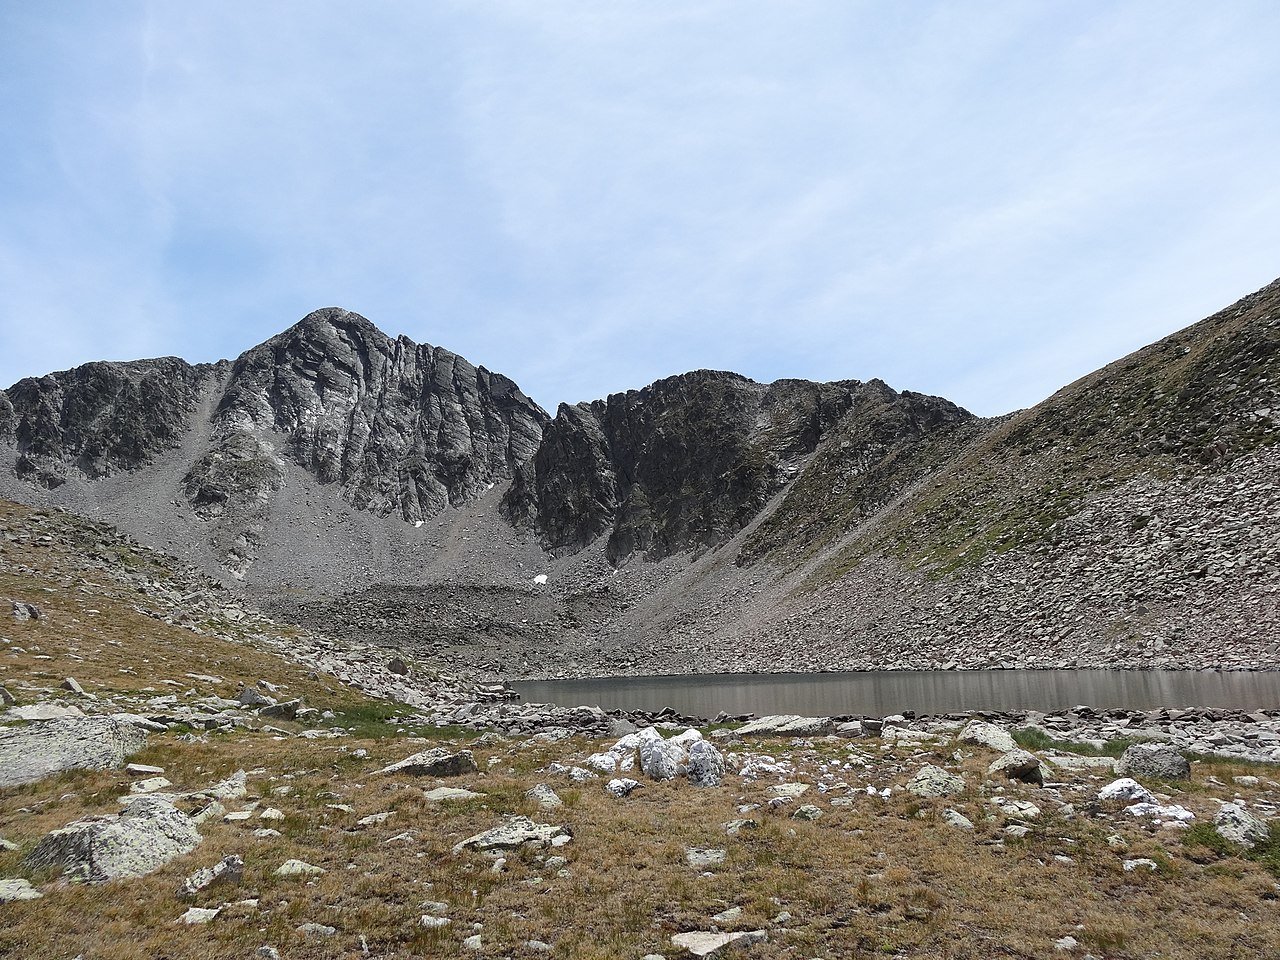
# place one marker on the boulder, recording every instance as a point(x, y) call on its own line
point(1158, 760)
point(228, 870)
point(515, 833)
point(660, 759)
point(787, 725)
point(288, 710)
point(1238, 825)
point(622, 787)
point(398, 667)
point(14, 890)
point(988, 735)
point(1019, 765)
point(25, 611)
point(703, 857)
point(705, 767)
point(709, 943)
point(436, 762)
point(450, 794)
point(954, 818)
point(145, 836)
point(72, 743)
point(933, 781)
point(1126, 790)
point(544, 797)
point(298, 868)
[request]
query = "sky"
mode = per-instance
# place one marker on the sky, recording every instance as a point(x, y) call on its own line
point(981, 200)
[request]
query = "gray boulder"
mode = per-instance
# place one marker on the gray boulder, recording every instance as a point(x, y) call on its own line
point(1238, 825)
point(705, 765)
point(1153, 760)
point(1019, 765)
point(933, 781)
point(144, 837)
point(661, 759)
point(228, 870)
point(515, 833)
point(710, 943)
point(988, 735)
point(787, 725)
point(32, 752)
point(436, 762)
point(14, 890)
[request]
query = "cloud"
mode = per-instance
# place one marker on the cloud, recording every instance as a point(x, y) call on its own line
point(978, 200)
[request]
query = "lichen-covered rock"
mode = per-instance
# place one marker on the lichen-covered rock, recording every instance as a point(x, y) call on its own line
point(13, 890)
point(1233, 822)
point(787, 725)
point(933, 781)
point(1018, 765)
point(229, 869)
point(436, 762)
point(710, 943)
point(705, 765)
point(988, 735)
point(39, 749)
point(145, 836)
point(1158, 760)
point(515, 833)
point(660, 759)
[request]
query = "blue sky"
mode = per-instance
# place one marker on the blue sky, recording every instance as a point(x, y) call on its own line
point(982, 200)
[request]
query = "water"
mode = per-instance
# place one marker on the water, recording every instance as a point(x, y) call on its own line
point(924, 691)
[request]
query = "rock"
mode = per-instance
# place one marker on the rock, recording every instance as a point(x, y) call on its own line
point(1066, 943)
point(198, 915)
point(850, 730)
point(544, 797)
point(228, 870)
point(14, 890)
point(315, 930)
point(933, 781)
point(660, 759)
point(1158, 760)
point(7, 698)
point(398, 667)
point(25, 611)
point(1161, 812)
point(1126, 790)
point(515, 833)
point(705, 765)
point(436, 762)
point(288, 710)
point(268, 953)
point(954, 818)
point(988, 735)
point(701, 858)
point(298, 868)
point(792, 791)
point(807, 812)
point(1018, 765)
point(251, 697)
point(787, 725)
point(73, 686)
point(74, 743)
point(473, 943)
point(450, 795)
point(430, 922)
point(732, 915)
point(143, 770)
point(7, 846)
point(622, 787)
point(705, 943)
point(1233, 822)
point(234, 787)
point(145, 836)
point(43, 711)
point(149, 785)
point(735, 827)
point(1141, 863)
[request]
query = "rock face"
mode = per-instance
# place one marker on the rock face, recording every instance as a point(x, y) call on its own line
point(933, 781)
point(1238, 825)
point(144, 837)
point(436, 762)
point(515, 833)
point(73, 743)
point(684, 463)
point(1153, 760)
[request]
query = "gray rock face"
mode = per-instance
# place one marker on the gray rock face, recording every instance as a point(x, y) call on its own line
point(787, 725)
point(1018, 765)
point(684, 463)
point(14, 890)
point(705, 765)
point(74, 743)
point(229, 869)
point(515, 833)
point(144, 837)
point(1238, 825)
point(709, 943)
point(1153, 760)
point(436, 762)
point(988, 735)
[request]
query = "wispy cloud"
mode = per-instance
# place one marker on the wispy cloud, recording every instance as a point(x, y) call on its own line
point(983, 200)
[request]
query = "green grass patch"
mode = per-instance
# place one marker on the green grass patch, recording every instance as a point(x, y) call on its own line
point(1033, 739)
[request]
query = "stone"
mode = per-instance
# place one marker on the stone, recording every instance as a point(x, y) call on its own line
point(1158, 760)
point(660, 759)
point(787, 725)
point(1236, 824)
point(40, 749)
point(271, 813)
point(436, 762)
point(1126, 790)
point(149, 785)
point(954, 818)
point(23, 611)
point(288, 710)
point(398, 667)
point(1018, 765)
point(252, 697)
point(430, 922)
point(1141, 863)
point(515, 833)
point(473, 943)
point(43, 711)
point(298, 868)
point(850, 730)
point(7, 698)
point(735, 827)
point(622, 787)
point(705, 765)
point(807, 812)
point(13, 890)
point(706, 943)
point(143, 770)
point(145, 836)
point(544, 797)
point(450, 795)
point(792, 791)
point(73, 686)
point(229, 869)
point(933, 781)
point(198, 915)
point(315, 930)
point(988, 735)
point(703, 857)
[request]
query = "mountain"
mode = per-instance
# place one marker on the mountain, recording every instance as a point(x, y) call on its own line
point(371, 487)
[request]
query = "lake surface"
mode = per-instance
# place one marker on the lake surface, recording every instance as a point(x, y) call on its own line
point(924, 691)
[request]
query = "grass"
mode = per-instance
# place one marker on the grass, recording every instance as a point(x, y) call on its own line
point(1032, 738)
